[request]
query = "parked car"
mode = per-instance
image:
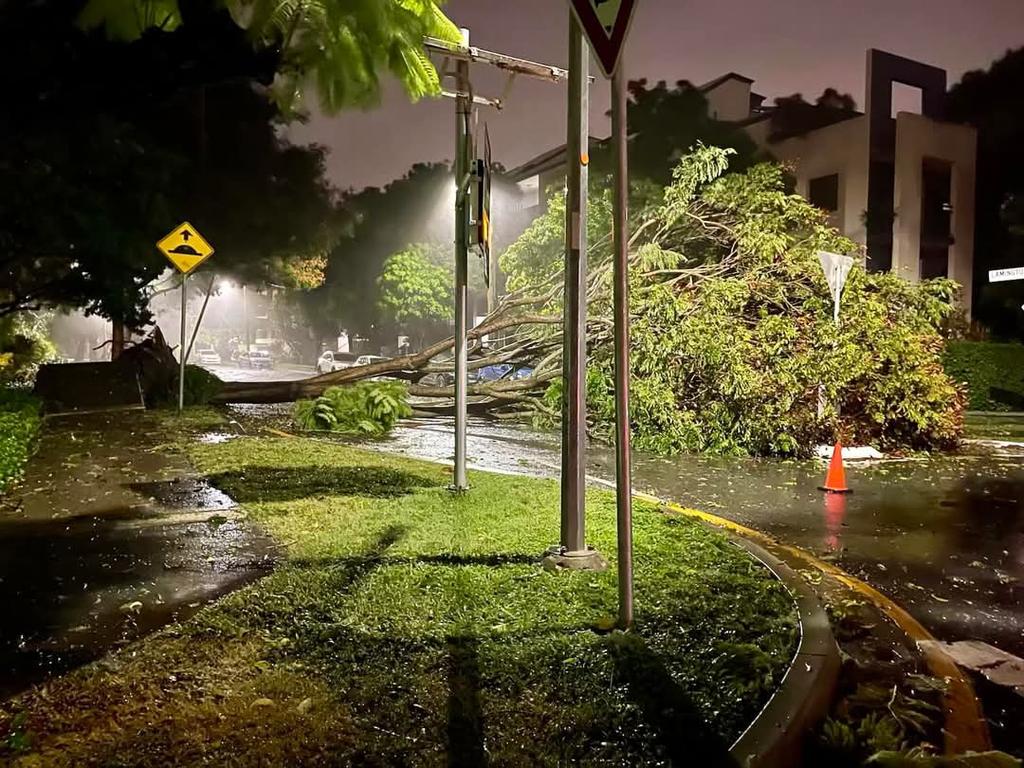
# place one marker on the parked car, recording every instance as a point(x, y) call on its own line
point(504, 371)
point(370, 359)
point(334, 361)
point(496, 372)
point(208, 356)
point(257, 358)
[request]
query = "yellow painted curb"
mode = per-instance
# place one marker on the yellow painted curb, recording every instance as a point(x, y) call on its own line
point(965, 727)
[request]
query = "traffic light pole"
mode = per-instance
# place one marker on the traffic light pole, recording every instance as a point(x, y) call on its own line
point(463, 111)
point(572, 551)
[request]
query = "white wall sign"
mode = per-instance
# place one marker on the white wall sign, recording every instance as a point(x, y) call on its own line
point(1003, 275)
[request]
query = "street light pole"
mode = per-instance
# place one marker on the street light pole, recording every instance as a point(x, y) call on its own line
point(623, 476)
point(463, 109)
point(572, 551)
point(464, 97)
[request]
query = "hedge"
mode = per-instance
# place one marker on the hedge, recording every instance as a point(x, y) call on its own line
point(20, 419)
point(993, 373)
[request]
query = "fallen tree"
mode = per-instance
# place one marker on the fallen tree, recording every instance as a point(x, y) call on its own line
point(733, 345)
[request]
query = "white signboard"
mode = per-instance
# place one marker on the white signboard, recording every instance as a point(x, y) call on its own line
point(1003, 275)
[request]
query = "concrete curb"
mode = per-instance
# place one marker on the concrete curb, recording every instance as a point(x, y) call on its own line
point(776, 737)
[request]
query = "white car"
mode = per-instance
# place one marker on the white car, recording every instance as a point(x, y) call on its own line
point(370, 359)
point(334, 361)
point(208, 357)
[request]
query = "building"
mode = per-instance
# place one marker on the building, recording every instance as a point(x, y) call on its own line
point(900, 182)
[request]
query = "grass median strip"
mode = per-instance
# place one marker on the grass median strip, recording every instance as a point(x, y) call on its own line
point(409, 626)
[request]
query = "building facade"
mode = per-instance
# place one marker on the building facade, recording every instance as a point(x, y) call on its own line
point(898, 181)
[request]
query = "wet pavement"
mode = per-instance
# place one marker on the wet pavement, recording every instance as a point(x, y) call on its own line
point(110, 536)
point(228, 372)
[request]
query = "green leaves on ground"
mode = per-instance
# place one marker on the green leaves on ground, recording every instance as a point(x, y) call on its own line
point(370, 408)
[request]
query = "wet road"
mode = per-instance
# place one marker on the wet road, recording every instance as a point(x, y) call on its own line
point(228, 372)
point(943, 535)
point(110, 537)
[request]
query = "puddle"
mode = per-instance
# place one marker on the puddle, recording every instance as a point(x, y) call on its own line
point(85, 586)
point(216, 438)
point(187, 493)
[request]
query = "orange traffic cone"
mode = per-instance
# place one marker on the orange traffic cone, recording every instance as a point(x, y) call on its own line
point(835, 480)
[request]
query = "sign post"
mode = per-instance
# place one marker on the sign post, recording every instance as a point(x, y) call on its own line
point(186, 249)
point(606, 24)
point(837, 268)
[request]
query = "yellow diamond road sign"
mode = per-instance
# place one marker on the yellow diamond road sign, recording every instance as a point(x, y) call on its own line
point(185, 248)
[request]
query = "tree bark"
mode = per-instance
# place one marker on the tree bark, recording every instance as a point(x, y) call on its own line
point(405, 366)
point(116, 339)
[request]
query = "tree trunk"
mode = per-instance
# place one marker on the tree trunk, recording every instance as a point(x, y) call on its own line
point(405, 366)
point(116, 339)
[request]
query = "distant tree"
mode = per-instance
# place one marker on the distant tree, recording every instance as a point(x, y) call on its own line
point(793, 115)
point(664, 124)
point(334, 48)
point(990, 101)
point(415, 292)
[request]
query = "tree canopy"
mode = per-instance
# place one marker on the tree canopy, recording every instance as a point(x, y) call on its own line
point(664, 124)
point(990, 101)
point(111, 144)
point(333, 48)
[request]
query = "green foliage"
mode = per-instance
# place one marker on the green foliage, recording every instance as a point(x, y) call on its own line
point(992, 373)
point(80, 210)
point(200, 387)
point(20, 421)
point(414, 290)
point(24, 346)
point(369, 408)
point(732, 332)
point(334, 48)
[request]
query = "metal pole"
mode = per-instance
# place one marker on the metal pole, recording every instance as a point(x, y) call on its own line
point(181, 347)
point(199, 320)
point(574, 354)
point(623, 480)
point(245, 316)
point(463, 109)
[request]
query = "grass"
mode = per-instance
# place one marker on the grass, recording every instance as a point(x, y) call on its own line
point(987, 426)
point(20, 421)
point(408, 626)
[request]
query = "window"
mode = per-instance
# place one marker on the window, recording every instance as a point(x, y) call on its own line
point(823, 192)
point(906, 98)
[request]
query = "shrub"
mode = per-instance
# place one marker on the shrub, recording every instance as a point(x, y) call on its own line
point(370, 408)
point(992, 373)
point(20, 419)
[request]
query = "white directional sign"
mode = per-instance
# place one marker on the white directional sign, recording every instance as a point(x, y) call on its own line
point(837, 268)
point(1003, 275)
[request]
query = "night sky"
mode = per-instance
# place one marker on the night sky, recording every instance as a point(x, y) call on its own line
point(786, 47)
